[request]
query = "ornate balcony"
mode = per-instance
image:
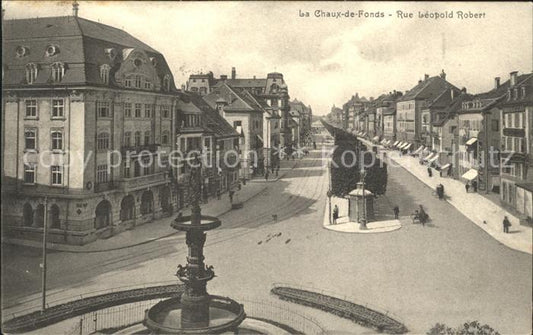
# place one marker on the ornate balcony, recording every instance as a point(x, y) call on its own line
point(135, 183)
point(136, 149)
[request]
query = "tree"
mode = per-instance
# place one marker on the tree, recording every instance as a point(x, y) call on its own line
point(468, 328)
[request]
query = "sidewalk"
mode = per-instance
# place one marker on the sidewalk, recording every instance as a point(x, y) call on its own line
point(160, 228)
point(479, 209)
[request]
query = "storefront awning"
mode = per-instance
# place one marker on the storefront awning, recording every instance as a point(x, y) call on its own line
point(407, 146)
point(445, 166)
point(430, 156)
point(470, 174)
point(376, 138)
point(396, 143)
point(383, 141)
point(434, 158)
point(419, 150)
point(471, 141)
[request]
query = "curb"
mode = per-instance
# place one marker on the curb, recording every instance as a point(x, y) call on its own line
point(35, 244)
point(454, 206)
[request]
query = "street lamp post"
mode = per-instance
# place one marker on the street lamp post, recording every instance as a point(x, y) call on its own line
point(45, 230)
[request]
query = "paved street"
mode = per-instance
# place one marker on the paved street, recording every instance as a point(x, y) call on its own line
point(449, 271)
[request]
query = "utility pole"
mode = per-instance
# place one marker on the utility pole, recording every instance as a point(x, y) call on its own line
point(45, 230)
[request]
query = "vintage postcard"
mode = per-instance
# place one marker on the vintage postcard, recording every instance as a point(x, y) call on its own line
point(268, 167)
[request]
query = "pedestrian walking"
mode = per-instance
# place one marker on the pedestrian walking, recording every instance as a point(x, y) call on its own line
point(474, 186)
point(231, 196)
point(396, 210)
point(277, 171)
point(335, 214)
point(506, 225)
point(423, 216)
point(430, 172)
point(467, 187)
point(218, 194)
point(266, 175)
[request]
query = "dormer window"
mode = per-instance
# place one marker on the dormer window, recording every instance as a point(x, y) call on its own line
point(58, 71)
point(515, 94)
point(22, 51)
point(153, 60)
point(137, 62)
point(274, 88)
point(523, 92)
point(51, 50)
point(31, 73)
point(104, 73)
point(111, 53)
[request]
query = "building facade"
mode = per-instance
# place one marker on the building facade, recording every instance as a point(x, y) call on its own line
point(89, 112)
point(517, 141)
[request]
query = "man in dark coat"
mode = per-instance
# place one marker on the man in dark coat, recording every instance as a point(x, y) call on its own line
point(430, 172)
point(335, 214)
point(396, 211)
point(506, 225)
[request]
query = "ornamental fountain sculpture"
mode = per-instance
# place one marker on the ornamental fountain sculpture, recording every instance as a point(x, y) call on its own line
point(195, 311)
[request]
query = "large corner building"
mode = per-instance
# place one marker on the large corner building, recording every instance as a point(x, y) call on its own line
point(73, 91)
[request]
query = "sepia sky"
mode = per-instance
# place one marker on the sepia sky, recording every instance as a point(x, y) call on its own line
point(324, 60)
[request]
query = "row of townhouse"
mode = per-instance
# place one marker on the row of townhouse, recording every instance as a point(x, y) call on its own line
point(484, 138)
point(96, 136)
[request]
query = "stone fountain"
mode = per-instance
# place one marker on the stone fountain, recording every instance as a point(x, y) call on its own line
point(195, 311)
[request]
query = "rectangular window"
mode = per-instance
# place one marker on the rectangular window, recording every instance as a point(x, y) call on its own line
point(237, 124)
point(30, 139)
point(495, 125)
point(29, 174)
point(147, 167)
point(103, 109)
point(57, 108)
point(57, 175)
point(127, 139)
point(165, 111)
point(147, 110)
point(127, 109)
point(127, 169)
point(147, 138)
point(147, 85)
point(31, 108)
point(138, 81)
point(138, 110)
point(57, 139)
point(127, 83)
point(101, 174)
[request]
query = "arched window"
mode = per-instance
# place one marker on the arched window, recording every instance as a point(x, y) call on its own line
point(58, 71)
point(54, 221)
point(102, 141)
point(31, 73)
point(27, 215)
point(104, 73)
point(137, 138)
point(166, 83)
point(127, 139)
point(274, 88)
point(165, 138)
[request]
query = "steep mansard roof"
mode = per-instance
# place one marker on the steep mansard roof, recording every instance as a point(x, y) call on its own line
point(81, 45)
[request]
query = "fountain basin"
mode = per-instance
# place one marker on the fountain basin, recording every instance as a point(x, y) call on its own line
point(164, 317)
point(184, 223)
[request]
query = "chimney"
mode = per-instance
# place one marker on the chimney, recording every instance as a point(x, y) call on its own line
point(496, 82)
point(513, 78)
point(426, 76)
point(223, 77)
point(75, 7)
point(420, 81)
point(463, 90)
point(183, 87)
point(254, 77)
point(233, 73)
point(443, 75)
